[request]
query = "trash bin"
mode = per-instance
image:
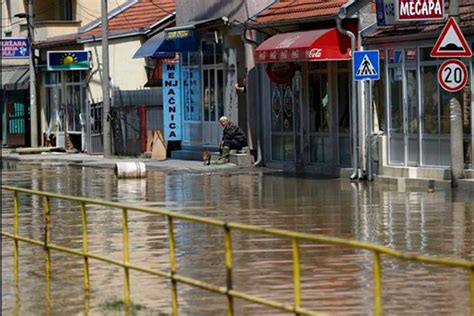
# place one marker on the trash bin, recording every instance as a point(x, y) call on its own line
point(124, 170)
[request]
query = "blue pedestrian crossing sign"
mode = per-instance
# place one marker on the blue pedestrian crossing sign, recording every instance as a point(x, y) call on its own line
point(366, 65)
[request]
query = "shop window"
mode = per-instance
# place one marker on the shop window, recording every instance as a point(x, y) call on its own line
point(220, 93)
point(207, 53)
point(282, 117)
point(343, 113)
point(75, 99)
point(410, 55)
point(379, 98)
point(395, 56)
point(282, 108)
point(396, 141)
point(435, 129)
point(219, 53)
point(66, 12)
point(425, 54)
point(319, 104)
point(430, 100)
point(190, 73)
point(412, 117)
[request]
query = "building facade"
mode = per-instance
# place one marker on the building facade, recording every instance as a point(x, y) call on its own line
point(15, 93)
point(214, 57)
point(305, 82)
point(413, 109)
point(130, 24)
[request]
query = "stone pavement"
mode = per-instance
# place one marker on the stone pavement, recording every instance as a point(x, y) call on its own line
point(192, 166)
point(81, 159)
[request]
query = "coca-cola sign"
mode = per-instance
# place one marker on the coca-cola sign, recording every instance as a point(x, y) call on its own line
point(314, 53)
point(281, 73)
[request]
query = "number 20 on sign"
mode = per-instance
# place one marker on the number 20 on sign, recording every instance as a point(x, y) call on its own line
point(452, 75)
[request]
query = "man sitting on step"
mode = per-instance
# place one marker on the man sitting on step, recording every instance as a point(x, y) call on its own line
point(233, 137)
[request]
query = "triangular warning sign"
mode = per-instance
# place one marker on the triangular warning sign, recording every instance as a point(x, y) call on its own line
point(366, 67)
point(451, 42)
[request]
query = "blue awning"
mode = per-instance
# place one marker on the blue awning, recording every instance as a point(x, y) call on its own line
point(181, 41)
point(155, 47)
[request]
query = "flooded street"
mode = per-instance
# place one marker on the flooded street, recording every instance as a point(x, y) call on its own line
point(336, 280)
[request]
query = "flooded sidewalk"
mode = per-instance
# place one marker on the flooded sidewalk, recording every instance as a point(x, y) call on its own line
point(335, 280)
point(98, 161)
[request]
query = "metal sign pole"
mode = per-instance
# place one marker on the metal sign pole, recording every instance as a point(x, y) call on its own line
point(456, 132)
point(369, 130)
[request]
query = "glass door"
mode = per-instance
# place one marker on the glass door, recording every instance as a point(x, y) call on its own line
point(320, 142)
point(213, 105)
point(396, 130)
point(287, 127)
point(212, 91)
point(412, 135)
point(343, 113)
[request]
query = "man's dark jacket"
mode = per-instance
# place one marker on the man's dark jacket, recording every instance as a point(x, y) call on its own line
point(234, 132)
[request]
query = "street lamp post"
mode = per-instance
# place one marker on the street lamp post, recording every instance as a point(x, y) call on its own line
point(105, 82)
point(32, 72)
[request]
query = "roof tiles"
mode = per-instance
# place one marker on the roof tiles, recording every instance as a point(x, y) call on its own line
point(299, 9)
point(138, 17)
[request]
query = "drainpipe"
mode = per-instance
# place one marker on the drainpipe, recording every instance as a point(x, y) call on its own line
point(257, 77)
point(355, 146)
point(243, 34)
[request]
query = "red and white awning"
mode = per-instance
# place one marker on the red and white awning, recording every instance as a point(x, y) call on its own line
point(315, 45)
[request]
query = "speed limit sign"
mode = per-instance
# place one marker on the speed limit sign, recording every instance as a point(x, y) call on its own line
point(452, 75)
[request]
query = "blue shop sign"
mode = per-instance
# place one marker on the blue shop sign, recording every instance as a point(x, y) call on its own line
point(15, 47)
point(68, 60)
point(172, 101)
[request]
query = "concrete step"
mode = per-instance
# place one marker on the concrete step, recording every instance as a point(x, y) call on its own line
point(413, 172)
point(240, 159)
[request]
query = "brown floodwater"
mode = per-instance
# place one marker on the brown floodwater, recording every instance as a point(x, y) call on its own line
point(335, 280)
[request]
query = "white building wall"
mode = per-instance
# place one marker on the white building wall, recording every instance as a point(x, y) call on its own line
point(126, 73)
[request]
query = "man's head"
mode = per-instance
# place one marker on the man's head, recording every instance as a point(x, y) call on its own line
point(224, 121)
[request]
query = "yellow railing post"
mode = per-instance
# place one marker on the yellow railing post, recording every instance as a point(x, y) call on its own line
point(85, 248)
point(228, 267)
point(16, 231)
point(47, 237)
point(228, 290)
point(125, 256)
point(174, 290)
point(47, 250)
point(377, 285)
point(472, 290)
point(296, 275)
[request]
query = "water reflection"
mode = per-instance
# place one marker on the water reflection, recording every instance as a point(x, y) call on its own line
point(336, 280)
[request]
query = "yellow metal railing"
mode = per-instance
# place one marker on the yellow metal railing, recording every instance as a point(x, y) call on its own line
point(227, 227)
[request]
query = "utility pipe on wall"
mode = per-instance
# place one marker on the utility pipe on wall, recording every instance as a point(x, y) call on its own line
point(354, 129)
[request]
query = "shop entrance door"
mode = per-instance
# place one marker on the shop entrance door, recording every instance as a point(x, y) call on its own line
point(412, 126)
point(213, 104)
point(321, 143)
point(287, 123)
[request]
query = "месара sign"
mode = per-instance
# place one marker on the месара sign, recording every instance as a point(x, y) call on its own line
point(419, 10)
